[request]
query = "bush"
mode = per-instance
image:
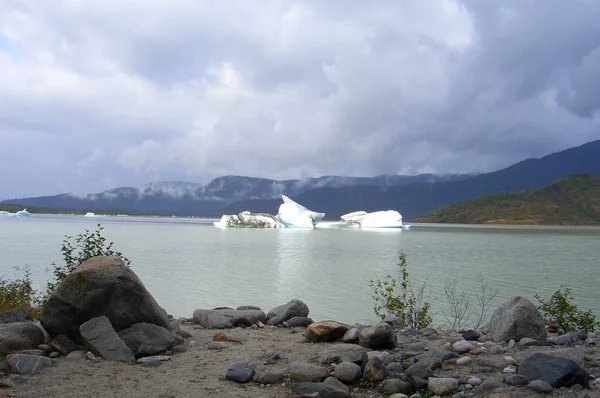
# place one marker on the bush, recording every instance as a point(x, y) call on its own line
point(19, 293)
point(560, 309)
point(412, 307)
point(87, 245)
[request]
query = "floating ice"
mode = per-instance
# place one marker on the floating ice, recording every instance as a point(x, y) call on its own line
point(249, 220)
point(293, 215)
point(20, 213)
point(377, 219)
point(23, 213)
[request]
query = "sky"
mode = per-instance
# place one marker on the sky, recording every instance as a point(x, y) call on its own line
point(101, 94)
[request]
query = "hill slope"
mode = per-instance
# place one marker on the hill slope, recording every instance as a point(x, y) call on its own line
point(574, 200)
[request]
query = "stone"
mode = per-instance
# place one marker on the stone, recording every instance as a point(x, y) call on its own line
point(35, 351)
point(375, 370)
point(100, 338)
point(268, 377)
point(385, 356)
point(24, 364)
point(54, 354)
point(557, 372)
point(217, 345)
point(147, 339)
point(183, 333)
point(282, 313)
point(324, 331)
point(77, 355)
point(492, 362)
point(358, 357)
point(391, 386)
point(300, 371)
point(160, 358)
point(396, 321)
point(306, 389)
point(347, 372)
point(442, 385)
point(540, 386)
point(395, 370)
point(351, 336)
point(420, 369)
point(464, 361)
point(471, 335)
point(14, 315)
point(516, 380)
point(240, 372)
point(63, 344)
point(18, 336)
point(248, 307)
point(227, 318)
point(527, 341)
point(380, 336)
point(462, 346)
point(102, 285)
point(517, 318)
point(297, 321)
point(474, 381)
point(332, 381)
point(567, 340)
point(45, 347)
point(488, 385)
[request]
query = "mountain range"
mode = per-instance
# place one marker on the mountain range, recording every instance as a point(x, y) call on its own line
point(413, 196)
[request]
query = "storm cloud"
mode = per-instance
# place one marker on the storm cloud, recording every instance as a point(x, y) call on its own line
point(97, 95)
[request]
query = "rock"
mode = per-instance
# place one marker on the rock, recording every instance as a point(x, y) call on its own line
point(35, 351)
point(24, 364)
point(375, 370)
point(45, 347)
point(216, 345)
point(147, 339)
point(227, 318)
point(442, 386)
point(527, 341)
point(395, 370)
point(540, 386)
point(282, 313)
point(471, 335)
point(102, 285)
point(184, 334)
point(300, 371)
point(77, 355)
point(240, 372)
point(421, 370)
point(385, 356)
point(474, 381)
point(101, 339)
point(391, 386)
point(516, 380)
point(464, 361)
point(567, 340)
point(324, 331)
point(63, 344)
point(492, 362)
point(18, 336)
point(160, 358)
point(268, 377)
point(351, 336)
point(248, 307)
point(417, 383)
point(488, 385)
point(347, 372)
point(297, 321)
point(358, 357)
point(556, 371)
point(394, 320)
point(306, 389)
point(54, 354)
point(14, 315)
point(380, 336)
point(332, 381)
point(517, 318)
point(462, 346)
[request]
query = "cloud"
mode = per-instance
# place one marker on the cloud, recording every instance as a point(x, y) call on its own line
point(128, 92)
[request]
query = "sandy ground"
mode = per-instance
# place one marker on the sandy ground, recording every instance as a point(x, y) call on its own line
point(200, 372)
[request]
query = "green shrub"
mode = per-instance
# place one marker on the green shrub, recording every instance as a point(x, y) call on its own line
point(410, 306)
point(560, 309)
point(19, 293)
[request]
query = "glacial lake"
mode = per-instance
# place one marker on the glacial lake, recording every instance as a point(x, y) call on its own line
point(187, 264)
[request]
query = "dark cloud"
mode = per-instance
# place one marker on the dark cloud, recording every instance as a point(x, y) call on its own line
point(118, 93)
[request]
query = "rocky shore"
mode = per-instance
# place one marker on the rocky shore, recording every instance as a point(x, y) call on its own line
point(102, 334)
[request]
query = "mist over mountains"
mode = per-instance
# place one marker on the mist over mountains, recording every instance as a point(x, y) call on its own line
point(413, 196)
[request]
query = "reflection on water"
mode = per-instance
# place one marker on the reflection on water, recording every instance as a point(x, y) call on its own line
point(187, 264)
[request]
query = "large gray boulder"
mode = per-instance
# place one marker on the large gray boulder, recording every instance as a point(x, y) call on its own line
point(227, 318)
point(25, 364)
point(517, 318)
point(376, 337)
point(284, 312)
point(557, 372)
point(101, 339)
point(146, 339)
point(17, 336)
point(102, 285)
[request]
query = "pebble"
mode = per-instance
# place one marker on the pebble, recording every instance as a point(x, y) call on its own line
point(464, 361)
point(474, 381)
point(540, 386)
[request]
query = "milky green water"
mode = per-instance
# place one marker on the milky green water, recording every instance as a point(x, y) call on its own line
point(188, 264)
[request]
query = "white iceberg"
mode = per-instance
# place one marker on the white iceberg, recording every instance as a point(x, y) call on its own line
point(294, 215)
point(362, 219)
point(249, 220)
point(23, 213)
point(290, 215)
point(20, 213)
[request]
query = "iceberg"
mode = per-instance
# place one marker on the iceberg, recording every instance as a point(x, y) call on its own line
point(23, 213)
point(294, 215)
point(249, 220)
point(290, 215)
point(362, 219)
